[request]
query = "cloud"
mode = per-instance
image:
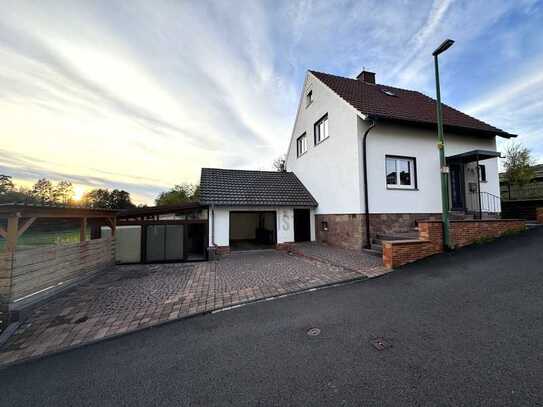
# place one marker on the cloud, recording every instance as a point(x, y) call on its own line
point(146, 93)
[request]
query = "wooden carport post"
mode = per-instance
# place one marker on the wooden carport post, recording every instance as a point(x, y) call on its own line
point(6, 269)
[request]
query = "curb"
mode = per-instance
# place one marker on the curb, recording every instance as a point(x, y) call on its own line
point(190, 316)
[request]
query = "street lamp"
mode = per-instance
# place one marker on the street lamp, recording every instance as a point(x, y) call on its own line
point(441, 147)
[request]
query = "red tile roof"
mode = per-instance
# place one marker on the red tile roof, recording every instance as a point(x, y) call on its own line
point(406, 106)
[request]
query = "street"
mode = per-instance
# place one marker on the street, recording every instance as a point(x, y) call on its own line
point(461, 328)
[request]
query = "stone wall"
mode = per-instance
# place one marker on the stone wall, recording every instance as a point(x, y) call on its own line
point(399, 252)
point(390, 223)
point(345, 230)
point(349, 230)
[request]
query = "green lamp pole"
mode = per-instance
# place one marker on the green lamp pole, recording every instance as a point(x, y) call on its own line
point(441, 147)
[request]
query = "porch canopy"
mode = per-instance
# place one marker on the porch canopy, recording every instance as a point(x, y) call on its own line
point(473, 155)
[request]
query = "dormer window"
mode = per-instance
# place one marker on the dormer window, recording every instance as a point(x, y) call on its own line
point(308, 98)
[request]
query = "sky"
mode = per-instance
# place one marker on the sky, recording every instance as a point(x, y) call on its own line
point(140, 95)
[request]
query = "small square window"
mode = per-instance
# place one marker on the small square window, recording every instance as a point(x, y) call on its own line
point(301, 145)
point(321, 129)
point(401, 172)
point(324, 226)
point(308, 98)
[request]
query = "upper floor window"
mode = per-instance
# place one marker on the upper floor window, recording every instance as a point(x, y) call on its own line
point(401, 172)
point(321, 129)
point(482, 173)
point(301, 145)
point(308, 98)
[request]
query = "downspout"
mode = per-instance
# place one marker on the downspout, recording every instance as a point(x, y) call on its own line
point(213, 225)
point(366, 200)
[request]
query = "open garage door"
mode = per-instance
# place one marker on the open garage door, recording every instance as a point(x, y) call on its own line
point(253, 230)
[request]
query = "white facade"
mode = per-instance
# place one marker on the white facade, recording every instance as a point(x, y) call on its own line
point(333, 170)
point(219, 223)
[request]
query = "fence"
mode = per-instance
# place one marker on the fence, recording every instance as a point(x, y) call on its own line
point(522, 209)
point(32, 275)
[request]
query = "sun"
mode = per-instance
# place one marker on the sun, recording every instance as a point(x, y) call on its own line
point(79, 191)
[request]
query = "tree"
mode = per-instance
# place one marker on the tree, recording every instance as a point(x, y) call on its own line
point(180, 193)
point(104, 199)
point(43, 191)
point(6, 184)
point(279, 164)
point(120, 199)
point(518, 165)
point(63, 192)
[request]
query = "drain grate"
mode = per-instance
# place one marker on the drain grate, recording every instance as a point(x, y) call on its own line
point(380, 344)
point(313, 332)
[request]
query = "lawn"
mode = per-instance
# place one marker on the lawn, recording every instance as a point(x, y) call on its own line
point(37, 238)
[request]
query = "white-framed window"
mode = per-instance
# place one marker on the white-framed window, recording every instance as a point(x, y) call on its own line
point(321, 129)
point(308, 98)
point(401, 172)
point(301, 145)
point(482, 173)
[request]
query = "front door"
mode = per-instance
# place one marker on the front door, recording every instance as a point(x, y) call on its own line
point(457, 187)
point(302, 225)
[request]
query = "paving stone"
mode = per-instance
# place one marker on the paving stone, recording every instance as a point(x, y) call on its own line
point(130, 297)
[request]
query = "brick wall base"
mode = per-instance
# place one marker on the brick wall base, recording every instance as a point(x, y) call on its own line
point(349, 230)
point(462, 233)
point(216, 251)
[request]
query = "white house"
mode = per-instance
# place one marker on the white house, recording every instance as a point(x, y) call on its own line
point(362, 163)
point(344, 126)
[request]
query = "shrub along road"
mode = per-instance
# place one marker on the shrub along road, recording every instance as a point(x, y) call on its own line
point(457, 329)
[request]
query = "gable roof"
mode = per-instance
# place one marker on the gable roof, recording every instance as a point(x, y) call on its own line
point(405, 106)
point(253, 188)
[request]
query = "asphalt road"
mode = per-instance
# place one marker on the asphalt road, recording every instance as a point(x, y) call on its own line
point(461, 329)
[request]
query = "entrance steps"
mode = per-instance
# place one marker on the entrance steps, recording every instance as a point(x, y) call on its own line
point(377, 241)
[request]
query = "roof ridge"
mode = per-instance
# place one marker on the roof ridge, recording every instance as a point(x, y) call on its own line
point(234, 169)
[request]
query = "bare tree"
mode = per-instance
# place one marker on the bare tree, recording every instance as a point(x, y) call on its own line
point(279, 164)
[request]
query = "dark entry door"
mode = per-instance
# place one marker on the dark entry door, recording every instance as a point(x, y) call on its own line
point(302, 225)
point(457, 186)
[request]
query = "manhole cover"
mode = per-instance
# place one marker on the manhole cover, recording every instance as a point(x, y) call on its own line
point(313, 332)
point(380, 344)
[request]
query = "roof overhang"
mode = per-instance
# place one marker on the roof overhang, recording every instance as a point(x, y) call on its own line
point(473, 155)
point(446, 127)
point(44, 211)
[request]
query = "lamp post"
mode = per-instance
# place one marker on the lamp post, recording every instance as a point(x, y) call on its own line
point(441, 147)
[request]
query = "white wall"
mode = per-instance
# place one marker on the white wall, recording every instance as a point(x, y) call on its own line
point(285, 224)
point(329, 170)
point(387, 139)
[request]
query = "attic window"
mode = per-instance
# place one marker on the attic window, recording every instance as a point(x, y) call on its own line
point(309, 98)
point(389, 93)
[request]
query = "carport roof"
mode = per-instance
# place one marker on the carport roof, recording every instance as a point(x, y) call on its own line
point(253, 188)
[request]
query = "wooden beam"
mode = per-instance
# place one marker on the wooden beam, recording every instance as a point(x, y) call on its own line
point(13, 225)
point(83, 230)
point(25, 226)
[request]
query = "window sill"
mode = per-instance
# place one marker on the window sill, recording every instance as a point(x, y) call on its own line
point(309, 104)
point(402, 189)
point(301, 155)
point(322, 141)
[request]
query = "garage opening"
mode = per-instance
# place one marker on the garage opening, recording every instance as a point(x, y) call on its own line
point(252, 230)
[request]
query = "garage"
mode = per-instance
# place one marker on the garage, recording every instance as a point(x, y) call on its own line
point(255, 209)
point(252, 230)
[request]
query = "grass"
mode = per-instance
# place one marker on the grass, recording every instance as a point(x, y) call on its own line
point(32, 239)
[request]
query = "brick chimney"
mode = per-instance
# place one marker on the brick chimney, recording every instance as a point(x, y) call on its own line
point(366, 76)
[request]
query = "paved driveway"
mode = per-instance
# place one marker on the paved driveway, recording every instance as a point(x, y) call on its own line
point(127, 298)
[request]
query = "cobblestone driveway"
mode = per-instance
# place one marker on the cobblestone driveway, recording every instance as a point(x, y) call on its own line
point(127, 298)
